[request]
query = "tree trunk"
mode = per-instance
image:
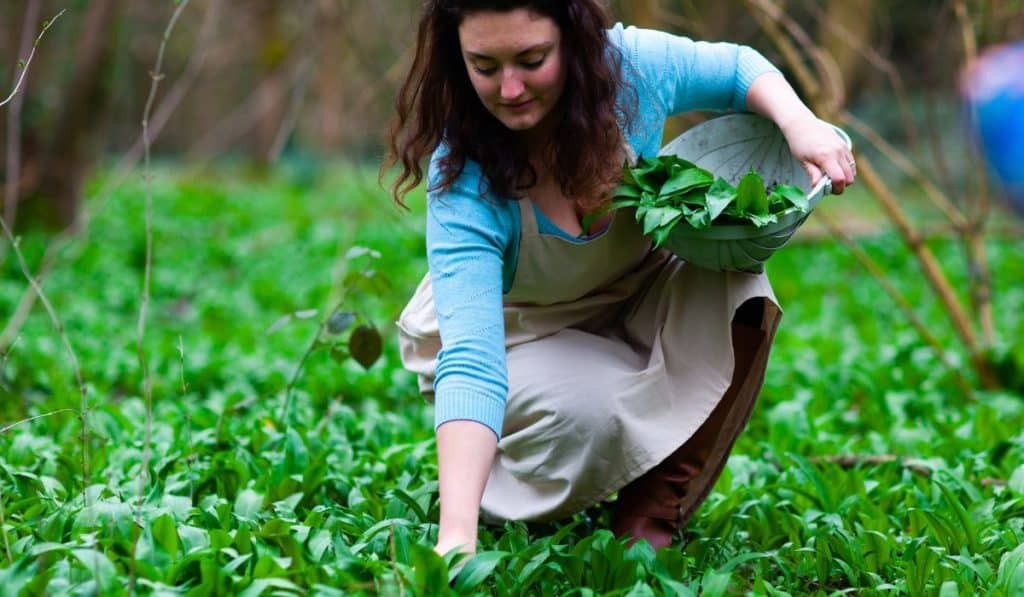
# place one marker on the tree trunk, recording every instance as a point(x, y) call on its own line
point(55, 177)
point(12, 154)
point(273, 54)
point(330, 87)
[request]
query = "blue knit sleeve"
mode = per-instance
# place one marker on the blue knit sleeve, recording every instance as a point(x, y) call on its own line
point(691, 75)
point(468, 238)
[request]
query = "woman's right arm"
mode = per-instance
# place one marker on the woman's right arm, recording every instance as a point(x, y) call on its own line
point(465, 451)
point(467, 242)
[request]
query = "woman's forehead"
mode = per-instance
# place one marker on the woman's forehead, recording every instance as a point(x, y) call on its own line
point(495, 34)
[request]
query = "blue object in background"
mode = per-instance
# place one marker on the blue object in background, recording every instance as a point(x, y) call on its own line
point(994, 89)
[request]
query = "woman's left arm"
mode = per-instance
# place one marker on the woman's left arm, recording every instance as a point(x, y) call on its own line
point(812, 141)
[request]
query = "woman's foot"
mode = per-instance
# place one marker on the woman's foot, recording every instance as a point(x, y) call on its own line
point(649, 507)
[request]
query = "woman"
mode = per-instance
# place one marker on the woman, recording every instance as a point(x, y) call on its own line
point(576, 363)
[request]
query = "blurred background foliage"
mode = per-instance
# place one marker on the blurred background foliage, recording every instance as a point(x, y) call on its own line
point(264, 78)
point(310, 84)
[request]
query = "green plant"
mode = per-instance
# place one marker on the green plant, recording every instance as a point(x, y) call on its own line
point(668, 191)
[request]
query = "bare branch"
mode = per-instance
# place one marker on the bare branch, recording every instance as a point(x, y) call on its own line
point(767, 15)
point(170, 102)
point(979, 209)
point(80, 232)
point(24, 68)
point(57, 324)
point(876, 60)
point(907, 167)
point(916, 465)
point(901, 301)
point(930, 267)
point(244, 117)
point(292, 118)
point(298, 95)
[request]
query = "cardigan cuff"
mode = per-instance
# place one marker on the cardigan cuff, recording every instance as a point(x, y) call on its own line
point(751, 65)
point(468, 405)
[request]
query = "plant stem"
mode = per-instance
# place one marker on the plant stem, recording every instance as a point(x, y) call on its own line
point(188, 419)
point(80, 230)
point(7, 428)
point(3, 526)
point(147, 382)
point(286, 408)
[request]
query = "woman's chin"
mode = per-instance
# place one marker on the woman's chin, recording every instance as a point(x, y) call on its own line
point(519, 123)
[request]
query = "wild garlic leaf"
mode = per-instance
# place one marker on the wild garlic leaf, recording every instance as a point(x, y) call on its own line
point(699, 218)
point(648, 175)
point(719, 196)
point(661, 234)
point(627, 191)
point(750, 195)
point(792, 194)
point(657, 217)
point(682, 180)
point(696, 198)
point(762, 220)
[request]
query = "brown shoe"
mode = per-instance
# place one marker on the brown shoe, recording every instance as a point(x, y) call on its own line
point(651, 506)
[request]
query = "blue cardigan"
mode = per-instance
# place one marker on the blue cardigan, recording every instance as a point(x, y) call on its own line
point(473, 244)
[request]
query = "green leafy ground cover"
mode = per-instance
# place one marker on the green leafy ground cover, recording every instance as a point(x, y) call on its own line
point(340, 498)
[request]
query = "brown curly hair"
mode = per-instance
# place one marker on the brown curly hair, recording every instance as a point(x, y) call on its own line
point(437, 103)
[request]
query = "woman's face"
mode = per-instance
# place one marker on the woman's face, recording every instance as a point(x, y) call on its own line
point(515, 63)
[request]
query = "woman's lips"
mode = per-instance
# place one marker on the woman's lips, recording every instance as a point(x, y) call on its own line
point(518, 107)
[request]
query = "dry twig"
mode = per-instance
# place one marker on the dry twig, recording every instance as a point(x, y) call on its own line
point(848, 461)
point(901, 301)
point(80, 232)
point(24, 68)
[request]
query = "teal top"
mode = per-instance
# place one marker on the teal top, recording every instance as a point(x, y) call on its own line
point(473, 236)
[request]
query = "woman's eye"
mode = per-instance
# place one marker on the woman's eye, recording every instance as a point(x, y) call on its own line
point(485, 71)
point(534, 64)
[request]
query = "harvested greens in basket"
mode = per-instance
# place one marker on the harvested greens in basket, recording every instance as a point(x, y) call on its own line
point(669, 190)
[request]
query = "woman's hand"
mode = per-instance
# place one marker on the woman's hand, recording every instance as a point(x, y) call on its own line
point(821, 151)
point(464, 544)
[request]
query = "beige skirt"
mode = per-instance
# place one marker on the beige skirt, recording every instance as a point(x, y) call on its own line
point(589, 410)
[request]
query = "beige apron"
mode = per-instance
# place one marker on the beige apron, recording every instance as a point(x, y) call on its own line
point(616, 355)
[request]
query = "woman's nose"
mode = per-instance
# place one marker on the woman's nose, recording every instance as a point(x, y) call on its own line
point(511, 86)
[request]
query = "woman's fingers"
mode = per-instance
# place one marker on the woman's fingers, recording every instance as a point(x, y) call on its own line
point(842, 171)
point(813, 172)
point(838, 173)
